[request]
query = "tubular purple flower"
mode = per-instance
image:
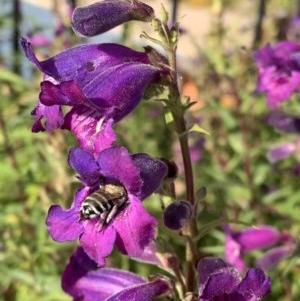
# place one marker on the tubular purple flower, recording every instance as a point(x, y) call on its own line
point(239, 243)
point(131, 227)
point(84, 281)
point(273, 257)
point(284, 123)
point(220, 281)
point(102, 16)
point(278, 71)
point(101, 83)
point(281, 152)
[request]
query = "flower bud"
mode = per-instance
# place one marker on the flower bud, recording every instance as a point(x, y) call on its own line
point(100, 17)
point(177, 214)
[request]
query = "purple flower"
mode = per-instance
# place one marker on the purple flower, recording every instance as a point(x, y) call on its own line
point(219, 281)
point(284, 123)
point(274, 256)
point(239, 243)
point(84, 281)
point(131, 227)
point(281, 152)
point(278, 71)
point(102, 83)
point(102, 16)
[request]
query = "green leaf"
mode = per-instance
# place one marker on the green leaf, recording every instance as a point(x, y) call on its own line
point(197, 128)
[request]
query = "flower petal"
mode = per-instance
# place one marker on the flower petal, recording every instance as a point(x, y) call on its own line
point(135, 228)
point(210, 266)
point(87, 168)
point(81, 277)
point(102, 16)
point(90, 128)
point(142, 292)
point(53, 115)
point(116, 163)
point(255, 284)
point(233, 253)
point(257, 238)
point(97, 243)
point(64, 225)
point(83, 63)
point(149, 167)
point(274, 256)
point(218, 285)
point(67, 93)
point(284, 123)
point(131, 78)
point(281, 152)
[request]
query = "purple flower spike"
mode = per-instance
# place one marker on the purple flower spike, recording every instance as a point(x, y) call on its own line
point(278, 71)
point(126, 224)
point(177, 214)
point(84, 281)
point(102, 16)
point(219, 281)
point(102, 83)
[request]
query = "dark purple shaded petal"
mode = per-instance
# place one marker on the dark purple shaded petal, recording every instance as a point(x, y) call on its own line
point(93, 132)
point(218, 285)
point(177, 215)
point(284, 123)
point(257, 238)
point(143, 292)
point(281, 152)
point(210, 266)
point(53, 118)
point(64, 225)
point(97, 242)
point(116, 164)
point(255, 285)
point(135, 228)
point(85, 165)
point(152, 172)
point(82, 279)
point(131, 80)
point(83, 63)
point(102, 16)
point(79, 265)
point(274, 256)
point(234, 296)
point(280, 54)
point(66, 93)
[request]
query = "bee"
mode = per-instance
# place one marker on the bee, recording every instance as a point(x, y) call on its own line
point(104, 202)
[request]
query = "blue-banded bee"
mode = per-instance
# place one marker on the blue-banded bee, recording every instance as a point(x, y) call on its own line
point(104, 202)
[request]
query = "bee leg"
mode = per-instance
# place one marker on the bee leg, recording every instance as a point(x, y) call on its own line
point(111, 214)
point(104, 215)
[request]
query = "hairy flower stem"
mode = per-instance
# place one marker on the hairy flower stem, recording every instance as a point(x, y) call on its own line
point(190, 229)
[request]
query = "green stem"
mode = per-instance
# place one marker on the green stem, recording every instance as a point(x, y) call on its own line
point(190, 229)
